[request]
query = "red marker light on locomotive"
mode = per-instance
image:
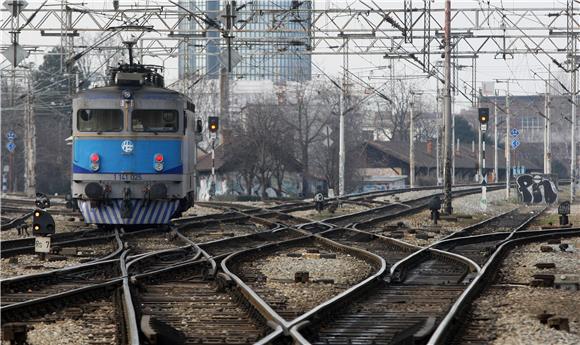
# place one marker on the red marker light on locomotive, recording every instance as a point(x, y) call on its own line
point(158, 162)
point(95, 159)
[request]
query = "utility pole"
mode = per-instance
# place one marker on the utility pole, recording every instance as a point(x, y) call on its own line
point(30, 143)
point(438, 149)
point(573, 88)
point(341, 144)
point(412, 144)
point(226, 68)
point(495, 138)
point(547, 154)
point(448, 208)
point(507, 143)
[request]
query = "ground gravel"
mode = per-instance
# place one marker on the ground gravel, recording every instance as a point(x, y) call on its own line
point(551, 217)
point(279, 270)
point(465, 208)
point(80, 330)
point(197, 210)
point(30, 263)
point(507, 311)
point(346, 208)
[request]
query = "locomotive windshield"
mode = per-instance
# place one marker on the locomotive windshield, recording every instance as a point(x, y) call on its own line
point(154, 120)
point(100, 120)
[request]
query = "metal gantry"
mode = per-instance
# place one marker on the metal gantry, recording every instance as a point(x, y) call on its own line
point(411, 31)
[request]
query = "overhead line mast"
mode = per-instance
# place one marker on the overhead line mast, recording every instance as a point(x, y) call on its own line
point(447, 203)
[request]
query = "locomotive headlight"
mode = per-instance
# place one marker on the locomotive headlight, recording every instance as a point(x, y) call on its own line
point(95, 161)
point(126, 94)
point(158, 166)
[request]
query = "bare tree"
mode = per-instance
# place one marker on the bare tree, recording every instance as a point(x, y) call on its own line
point(307, 123)
point(326, 157)
point(393, 118)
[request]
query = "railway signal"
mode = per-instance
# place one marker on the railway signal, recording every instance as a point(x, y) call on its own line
point(483, 116)
point(564, 211)
point(42, 223)
point(213, 123)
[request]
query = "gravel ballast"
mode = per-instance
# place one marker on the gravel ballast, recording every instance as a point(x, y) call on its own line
point(508, 309)
point(274, 278)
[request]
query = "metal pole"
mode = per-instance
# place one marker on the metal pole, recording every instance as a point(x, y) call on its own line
point(448, 208)
point(573, 141)
point(341, 146)
point(549, 127)
point(546, 128)
point(574, 88)
point(495, 138)
point(213, 179)
point(412, 145)
point(438, 154)
point(507, 142)
point(30, 145)
point(480, 156)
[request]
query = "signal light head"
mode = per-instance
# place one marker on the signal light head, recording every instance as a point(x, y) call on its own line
point(213, 123)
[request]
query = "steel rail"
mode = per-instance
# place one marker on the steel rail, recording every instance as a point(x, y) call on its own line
point(128, 308)
point(271, 314)
point(448, 239)
point(452, 318)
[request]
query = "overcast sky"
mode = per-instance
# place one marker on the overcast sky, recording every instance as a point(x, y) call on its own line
point(372, 68)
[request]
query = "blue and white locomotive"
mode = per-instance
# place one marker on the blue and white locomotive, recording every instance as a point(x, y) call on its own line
point(133, 150)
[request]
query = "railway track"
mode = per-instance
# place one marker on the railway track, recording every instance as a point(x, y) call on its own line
point(64, 253)
point(271, 270)
point(478, 247)
point(183, 306)
point(370, 218)
point(451, 329)
point(18, 290)
point(401, 311)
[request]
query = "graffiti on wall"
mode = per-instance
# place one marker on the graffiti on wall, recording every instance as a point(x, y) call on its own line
point(537, 189)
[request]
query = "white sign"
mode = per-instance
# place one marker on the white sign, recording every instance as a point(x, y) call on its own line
point(319, 197)
point(483, 200)
point(15, 51)
point(223, 57)
point(42, 244)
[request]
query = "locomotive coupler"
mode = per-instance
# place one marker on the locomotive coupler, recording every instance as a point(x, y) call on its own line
point(126, 205)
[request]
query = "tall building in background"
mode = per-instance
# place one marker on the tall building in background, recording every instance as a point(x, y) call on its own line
point(273, 46)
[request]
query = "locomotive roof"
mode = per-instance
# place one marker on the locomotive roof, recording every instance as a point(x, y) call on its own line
point(136, 90)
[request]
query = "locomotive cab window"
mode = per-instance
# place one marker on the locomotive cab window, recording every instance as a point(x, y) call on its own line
point(100, 120)
point(154, 120)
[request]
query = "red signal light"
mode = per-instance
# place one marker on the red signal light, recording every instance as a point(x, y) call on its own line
point(95, 157)
point(159, 157)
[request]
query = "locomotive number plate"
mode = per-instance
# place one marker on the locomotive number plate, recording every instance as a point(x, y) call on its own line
point(128, 177)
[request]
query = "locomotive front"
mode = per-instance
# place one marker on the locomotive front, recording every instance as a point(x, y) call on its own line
point(133, 150)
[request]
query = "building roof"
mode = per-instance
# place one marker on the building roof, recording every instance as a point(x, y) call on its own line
point(464, 160)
